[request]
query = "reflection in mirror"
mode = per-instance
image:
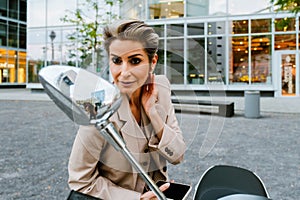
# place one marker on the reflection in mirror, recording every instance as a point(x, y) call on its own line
point(82, 95)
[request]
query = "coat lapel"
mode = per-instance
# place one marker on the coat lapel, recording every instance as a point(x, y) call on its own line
point(130, 130)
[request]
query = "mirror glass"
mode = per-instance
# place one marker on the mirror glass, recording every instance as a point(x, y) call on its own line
point(85, 97)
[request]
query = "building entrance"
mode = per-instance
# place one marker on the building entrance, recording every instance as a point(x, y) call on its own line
point(288, 73)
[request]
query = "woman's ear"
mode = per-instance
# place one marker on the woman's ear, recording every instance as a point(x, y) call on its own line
point(153, 63)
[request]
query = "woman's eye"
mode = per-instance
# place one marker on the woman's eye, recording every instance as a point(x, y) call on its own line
point(135, 61)
point(116, 60)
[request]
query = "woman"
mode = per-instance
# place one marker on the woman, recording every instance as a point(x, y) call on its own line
point(145, 119)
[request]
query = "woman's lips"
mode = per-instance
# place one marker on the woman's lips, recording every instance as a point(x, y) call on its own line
point(126, 83)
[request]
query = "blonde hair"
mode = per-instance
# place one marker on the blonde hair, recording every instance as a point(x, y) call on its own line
point(134, 30)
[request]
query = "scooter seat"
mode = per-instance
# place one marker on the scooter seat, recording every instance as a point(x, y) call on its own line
point(243, 197)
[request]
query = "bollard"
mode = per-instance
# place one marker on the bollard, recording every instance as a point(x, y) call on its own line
point(252, 104)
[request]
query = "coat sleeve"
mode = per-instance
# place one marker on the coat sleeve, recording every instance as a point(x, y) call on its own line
point(83, 172)
point(172, 145)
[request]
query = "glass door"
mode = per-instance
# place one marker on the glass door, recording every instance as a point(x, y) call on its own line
point(288, 73)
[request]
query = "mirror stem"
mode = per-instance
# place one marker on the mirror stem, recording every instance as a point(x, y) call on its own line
point(109, 132)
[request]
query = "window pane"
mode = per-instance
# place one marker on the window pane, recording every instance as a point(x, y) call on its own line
point(260, 59)
point(285, 24)
point(159, 29)
point(216, 28)
point(166, 9)
point(216, 59)
point(217, 7)
point(22, 36)
point(261, 26)
point(36, 9)
point(248, 7)
point(197, 8)
point(174, 30)
point(13, 9)
point(239, 26)
point(159, 69)
point(22, 67)
point(195, 29)
point(12, 65)
point(13, 34)
point(175, 61)
point(238, 66)
point(3, 32)
point(23, 10)
point(285, 42)
point(3, 9)
point(196, 61)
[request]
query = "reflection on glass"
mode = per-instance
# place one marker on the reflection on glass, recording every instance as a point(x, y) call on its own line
point(239, 26)
point(197, 8)
point(159, 29)
point(248, 7)
point(195, 28)
point(216, 59)
point(261, 26)
point(288, 74)
point(3, 32)
point(166, 9)
point(12, 65)
point(285, 24)
point(239, 65)
point(175, 61)
point(260, 59)
point(217, 7)
point(285, 42)
point(13, 34)
point(196, 61)
point(174, 30)
point(22, 67)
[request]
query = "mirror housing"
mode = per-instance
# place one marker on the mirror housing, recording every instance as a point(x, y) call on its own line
point(83, 96)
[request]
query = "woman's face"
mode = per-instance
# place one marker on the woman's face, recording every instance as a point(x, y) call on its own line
point(129, 65)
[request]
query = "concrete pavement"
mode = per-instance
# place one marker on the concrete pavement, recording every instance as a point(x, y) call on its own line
point(36, 140)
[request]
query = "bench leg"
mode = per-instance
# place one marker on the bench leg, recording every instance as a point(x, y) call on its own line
point(226, 110)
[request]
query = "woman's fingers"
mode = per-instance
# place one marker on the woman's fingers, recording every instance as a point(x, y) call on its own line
point(164, 187)
point(150, 195)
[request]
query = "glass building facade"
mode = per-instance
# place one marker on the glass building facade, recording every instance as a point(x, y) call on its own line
point(13, 25)
point(239, 45)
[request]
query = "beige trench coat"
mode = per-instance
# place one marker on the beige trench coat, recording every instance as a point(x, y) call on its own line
point(97, 169)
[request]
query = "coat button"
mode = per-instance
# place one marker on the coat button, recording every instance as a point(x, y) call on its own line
point(145, 163)
point(168, 151)
point(146, 150)
point(164, 168)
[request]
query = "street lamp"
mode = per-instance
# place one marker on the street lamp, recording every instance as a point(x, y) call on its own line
point(52, 37)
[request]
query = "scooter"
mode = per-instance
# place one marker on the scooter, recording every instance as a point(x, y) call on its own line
point(88, 99)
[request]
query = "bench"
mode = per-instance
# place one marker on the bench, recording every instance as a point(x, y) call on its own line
point(226, 108)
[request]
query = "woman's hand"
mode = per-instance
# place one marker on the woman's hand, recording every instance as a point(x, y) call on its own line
point(149, 98)
point(150, 95)
point(151, 196)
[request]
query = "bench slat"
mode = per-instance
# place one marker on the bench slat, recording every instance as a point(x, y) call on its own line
point(226, 108)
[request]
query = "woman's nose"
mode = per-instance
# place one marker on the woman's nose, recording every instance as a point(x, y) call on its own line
point(125, 69)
